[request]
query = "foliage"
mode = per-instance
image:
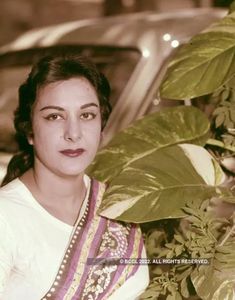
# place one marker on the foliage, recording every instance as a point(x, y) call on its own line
point(203, 236)
point(158, 184)
point(145, 168)
point(204, 64)
point(223, 116)
point(205, 67)
point(151, 176)
point(154, 132)
point(154, 177)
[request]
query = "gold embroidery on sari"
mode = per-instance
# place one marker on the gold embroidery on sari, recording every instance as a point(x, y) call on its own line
point(96, 281)
point(114, 240)
point(84, 254)
point(128, 268)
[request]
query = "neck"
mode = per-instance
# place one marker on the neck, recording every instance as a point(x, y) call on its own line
point(52, 189)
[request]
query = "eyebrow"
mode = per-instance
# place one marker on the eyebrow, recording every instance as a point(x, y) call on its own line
point(62, 109)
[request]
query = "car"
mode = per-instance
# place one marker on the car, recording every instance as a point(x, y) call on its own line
point(131, 50)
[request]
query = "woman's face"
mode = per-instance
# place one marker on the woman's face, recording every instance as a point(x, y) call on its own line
point(66, 125)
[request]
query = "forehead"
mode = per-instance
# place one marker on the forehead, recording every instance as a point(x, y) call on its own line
point(74, 91)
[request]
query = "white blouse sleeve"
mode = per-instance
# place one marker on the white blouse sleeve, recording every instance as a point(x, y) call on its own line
point(6, 257)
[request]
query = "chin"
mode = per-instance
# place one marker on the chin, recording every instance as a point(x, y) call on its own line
point(70, 174)
point(72, 171)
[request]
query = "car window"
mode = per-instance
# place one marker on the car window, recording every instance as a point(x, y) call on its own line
point(117, 64)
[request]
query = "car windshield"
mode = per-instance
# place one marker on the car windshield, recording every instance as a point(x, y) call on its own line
point(116, 64)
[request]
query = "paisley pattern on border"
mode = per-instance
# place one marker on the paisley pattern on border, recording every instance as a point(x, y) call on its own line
point(96, 237)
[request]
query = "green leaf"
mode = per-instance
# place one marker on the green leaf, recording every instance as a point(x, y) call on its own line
point(179, 249)
point(232, 115)
point(180, 276)
point(179, 238)
point(158, 184)
point(214, 284)
point(168, 127)
point(216, 281)
point(184, 288)
point(220, 144)
point(150, 294)
point(219, 110)
point(204, 64)
point(225, 94)
point(219, 120)
point(175, 296)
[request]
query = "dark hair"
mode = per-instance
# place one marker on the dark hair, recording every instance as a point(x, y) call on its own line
point(47, 70)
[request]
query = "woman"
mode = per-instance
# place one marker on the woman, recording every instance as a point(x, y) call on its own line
point(53, 238)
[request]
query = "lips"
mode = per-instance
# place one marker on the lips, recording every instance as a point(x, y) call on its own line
point(72, 153)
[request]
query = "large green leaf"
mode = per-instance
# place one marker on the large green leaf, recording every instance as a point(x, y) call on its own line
point(161, 182)
point(204, 64)
point(216, 281)
point(170, 126)
point(214, 284)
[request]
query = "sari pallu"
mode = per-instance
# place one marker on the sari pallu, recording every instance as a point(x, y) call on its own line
point(98, 238)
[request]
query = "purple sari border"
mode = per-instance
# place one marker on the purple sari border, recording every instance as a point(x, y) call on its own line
point(77, 250)
point(92, 253)
point(122, 267)
point(98, 237)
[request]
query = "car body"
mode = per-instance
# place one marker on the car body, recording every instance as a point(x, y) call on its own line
point(131, 50)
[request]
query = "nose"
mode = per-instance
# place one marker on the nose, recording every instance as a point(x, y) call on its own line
point(72, 131)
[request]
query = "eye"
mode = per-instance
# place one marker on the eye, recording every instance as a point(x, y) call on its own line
point(53, 117)
point(87, 116)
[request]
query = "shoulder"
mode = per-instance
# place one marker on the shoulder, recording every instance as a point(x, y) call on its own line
point(10, 197)
point(8, 190)
point(7, 207)
point(9, 187)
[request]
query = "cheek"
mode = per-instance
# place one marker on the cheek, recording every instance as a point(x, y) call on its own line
point(92, 128)
point(93, 142)
point(43, 135)
point(94, 134)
